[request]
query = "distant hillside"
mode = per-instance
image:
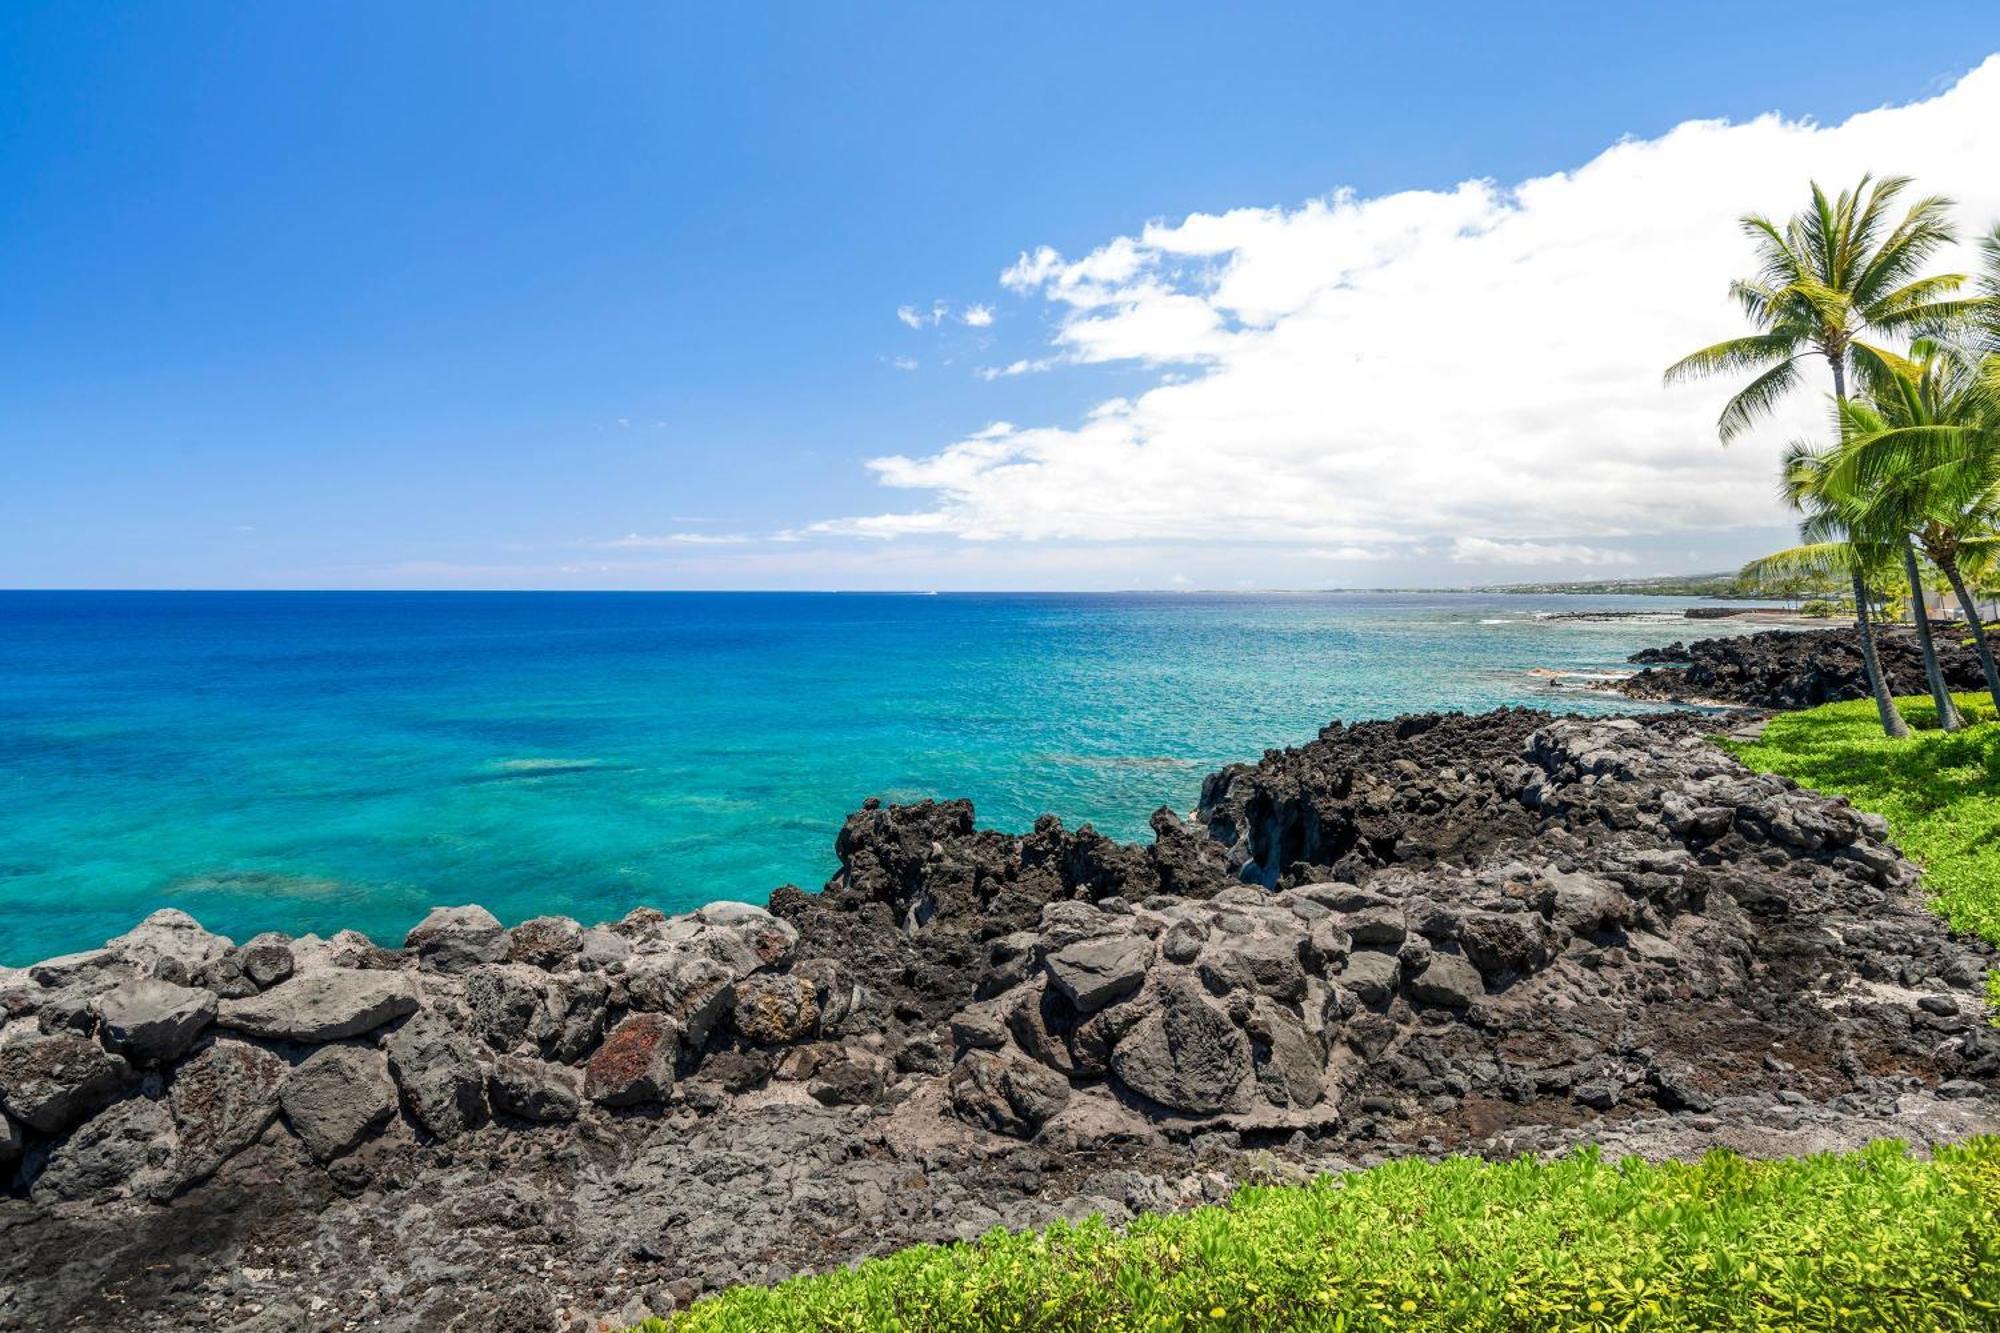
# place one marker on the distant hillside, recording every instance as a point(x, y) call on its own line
point(1678, 585)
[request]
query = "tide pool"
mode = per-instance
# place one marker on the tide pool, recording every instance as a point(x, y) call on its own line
point(316, 761)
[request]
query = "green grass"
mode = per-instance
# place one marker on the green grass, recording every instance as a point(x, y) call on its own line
point(1875, 1240)
point(1939, 791)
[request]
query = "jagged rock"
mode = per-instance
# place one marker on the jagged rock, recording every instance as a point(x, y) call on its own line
point(128, 1148)
point(533, 1089)
point(856, 1079)
point(504, 1000)
point(93, 969)
point(222, 1098)
point(602, 950)
point(1095, 972)
point(1371, 975)
point(1447, 979)
point(1184, 1053)
point(774, 1010)
point(1005, 1093)
point(636, 1062)
point(11, 1141)
point(268, 961)
point(547, 942)
point(336, 1097)
point(571, 1018)
point(453, 939)
point(149, 1021)
point(322, 1005)
point(48, 1083)
point(166, 939)
point(1794, 668)
point(690, 988)
point(438, 1070)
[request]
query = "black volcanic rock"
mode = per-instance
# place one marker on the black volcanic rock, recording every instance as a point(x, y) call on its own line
point(1493, 934)
point(1789, 669)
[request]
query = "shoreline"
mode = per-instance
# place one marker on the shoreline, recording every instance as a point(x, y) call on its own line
point(1492, 933)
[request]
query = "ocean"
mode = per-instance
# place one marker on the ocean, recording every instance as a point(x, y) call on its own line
point(316, 761)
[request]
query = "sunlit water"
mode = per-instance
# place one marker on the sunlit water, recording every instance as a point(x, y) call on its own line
point(318, 761)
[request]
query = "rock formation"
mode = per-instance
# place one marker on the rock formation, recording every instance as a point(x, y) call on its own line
point(1493, 934)
point(1793, 669)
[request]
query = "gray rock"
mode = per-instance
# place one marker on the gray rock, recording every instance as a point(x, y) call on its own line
point(222, 1098)
point(1266, 964)
point(1183, 941)
point(98, 969)
point(169, 936)
point(603, 950)
point(547, 942)
point(572, 1015)
point(11, 1141)
point(533, 1089)
point(336, 1097)
point(148, 1020)
point(323, 1005)
point(1097, 972)
point(690, 988)
point(1447, 979)
point(980, 1027)
point(1372, 976)
point(1005, 1093)
point(267, 962)
point(453, 939)
point(438, 1069)
point(503, 999)
point(48, 1083)
point(126, 1149)
point(1184, 1053)
point(636, 1062)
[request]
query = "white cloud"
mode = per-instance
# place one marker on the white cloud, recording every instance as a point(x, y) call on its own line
point(910, 315)
point(1483, 551)
point(1012, 368)
point(977, 316)
point(903, 362)
point(1476, 368)
point(1345, 553)
point(633, 541)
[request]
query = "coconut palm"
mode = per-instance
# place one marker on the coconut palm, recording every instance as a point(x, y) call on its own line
point(1924, 456)
point(1834, 540)
point(1829, 278)
point(1832, 277)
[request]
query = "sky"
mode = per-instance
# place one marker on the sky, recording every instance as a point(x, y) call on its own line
point(915, 296)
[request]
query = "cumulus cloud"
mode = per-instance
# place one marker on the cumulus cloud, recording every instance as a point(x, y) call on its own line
point(1476, 367)
point(977, 316)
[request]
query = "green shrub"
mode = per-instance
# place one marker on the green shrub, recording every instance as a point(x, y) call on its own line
point(1876, 1240)
point(1820, 609)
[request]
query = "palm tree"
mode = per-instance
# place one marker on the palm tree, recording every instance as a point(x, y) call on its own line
point(1827, 278)
point(1925, 457)
point(1834, 540)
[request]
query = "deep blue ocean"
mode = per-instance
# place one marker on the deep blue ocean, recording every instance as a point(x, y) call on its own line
point(313, 761)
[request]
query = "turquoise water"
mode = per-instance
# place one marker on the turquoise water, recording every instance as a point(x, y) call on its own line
point(317, 761)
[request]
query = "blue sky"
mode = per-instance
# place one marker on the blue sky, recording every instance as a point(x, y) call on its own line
point(537, 296)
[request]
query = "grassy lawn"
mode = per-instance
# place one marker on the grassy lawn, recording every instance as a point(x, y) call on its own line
point(1940, 792)
point(1876, 1240)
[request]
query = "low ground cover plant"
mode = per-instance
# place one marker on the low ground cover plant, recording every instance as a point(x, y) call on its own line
point(1873, 1240)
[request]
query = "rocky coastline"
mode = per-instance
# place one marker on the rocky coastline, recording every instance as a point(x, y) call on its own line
point(1789, 669)
point(1495, 934)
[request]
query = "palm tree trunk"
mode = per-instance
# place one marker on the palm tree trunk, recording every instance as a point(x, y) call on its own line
point(1979, 643)
point(1892, 721)
point(1948, 719)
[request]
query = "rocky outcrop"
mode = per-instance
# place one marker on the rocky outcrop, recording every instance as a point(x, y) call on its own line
point(1786, 669)
point(1492, 934)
